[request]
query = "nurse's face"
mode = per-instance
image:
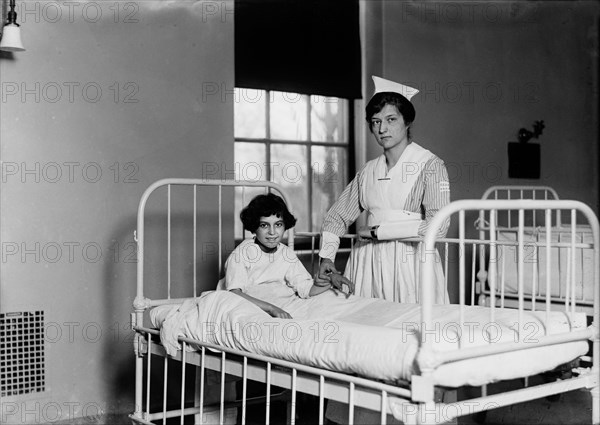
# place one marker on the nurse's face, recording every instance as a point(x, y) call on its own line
point(269, 232)
point(388, 127)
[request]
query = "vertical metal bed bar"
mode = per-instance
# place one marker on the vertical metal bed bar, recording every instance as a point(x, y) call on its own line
point(482, 273)
point(222, 400)
point(383, 407)
point(569, 276)
point(509, 212)
point(183, 352)
point(548, 268)
point(493, 264)
point(194, 249)
point(268, 403)
point(165, 373)
point(351, 404)
point(396, 265)
point(169, 241)
point(220, 245)
point(533, 212)
point(521, 270)
point(312, 248)
point(573, 256)
point(503, 276)
point(293, 402)
point(201, 401)
point(321, 399)
point(446, 254)
point(461, 272)
point(244, 389)
point(473, 258)
point(350, 256)
point(149, 365)
point(534, 274)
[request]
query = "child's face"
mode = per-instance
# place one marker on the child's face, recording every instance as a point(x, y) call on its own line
point(270, 232)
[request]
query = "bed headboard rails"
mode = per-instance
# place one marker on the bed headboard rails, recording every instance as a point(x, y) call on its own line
point(520, 192)
point(141, 302)
point(514, 192)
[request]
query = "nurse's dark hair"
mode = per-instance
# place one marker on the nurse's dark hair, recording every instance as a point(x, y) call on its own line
point(379, 100)
point(266, 206)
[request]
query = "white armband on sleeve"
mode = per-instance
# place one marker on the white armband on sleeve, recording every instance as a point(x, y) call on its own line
point(399, 230)
point(329, 245)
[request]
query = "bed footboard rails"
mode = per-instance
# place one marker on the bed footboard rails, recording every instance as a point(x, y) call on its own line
point(428, 359)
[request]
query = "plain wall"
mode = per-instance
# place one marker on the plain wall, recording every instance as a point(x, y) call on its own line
point(485, 70)
point(107, 98)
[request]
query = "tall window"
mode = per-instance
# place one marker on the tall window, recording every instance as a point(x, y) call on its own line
point(299, 141)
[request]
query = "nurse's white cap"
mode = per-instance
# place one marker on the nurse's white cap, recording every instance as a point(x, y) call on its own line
point(383, 85)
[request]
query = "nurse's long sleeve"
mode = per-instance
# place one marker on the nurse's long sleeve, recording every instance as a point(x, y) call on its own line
point(436, 195)
point(340, 216)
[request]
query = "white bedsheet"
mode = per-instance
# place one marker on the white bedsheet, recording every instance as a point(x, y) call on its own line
point(369, 337)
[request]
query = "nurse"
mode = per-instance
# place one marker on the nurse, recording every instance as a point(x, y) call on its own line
point(401, 191)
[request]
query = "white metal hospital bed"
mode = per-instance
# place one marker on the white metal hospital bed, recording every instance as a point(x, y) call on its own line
point(535, 336)
point(567, 260)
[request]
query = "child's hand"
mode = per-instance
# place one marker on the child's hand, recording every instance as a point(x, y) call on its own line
point(275, 311)
point(326, 268)
point(338, 281)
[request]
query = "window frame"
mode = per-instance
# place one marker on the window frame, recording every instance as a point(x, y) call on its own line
point(346, 142)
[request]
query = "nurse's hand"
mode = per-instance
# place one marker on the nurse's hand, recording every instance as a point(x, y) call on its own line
point(328, 274)
point(326, 268)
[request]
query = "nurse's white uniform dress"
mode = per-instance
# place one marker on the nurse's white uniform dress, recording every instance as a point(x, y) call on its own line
point(404, 198)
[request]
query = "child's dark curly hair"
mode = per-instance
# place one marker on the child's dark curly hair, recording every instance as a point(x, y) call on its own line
point(266, 206)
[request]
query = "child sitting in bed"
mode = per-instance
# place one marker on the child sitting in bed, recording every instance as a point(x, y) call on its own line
point(264, 259)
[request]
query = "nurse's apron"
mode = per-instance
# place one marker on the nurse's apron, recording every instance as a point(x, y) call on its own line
point(390, 269)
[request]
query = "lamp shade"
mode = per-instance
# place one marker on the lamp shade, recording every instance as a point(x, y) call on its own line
point(11, 39)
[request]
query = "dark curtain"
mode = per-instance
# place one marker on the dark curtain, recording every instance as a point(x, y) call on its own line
point(303, 46)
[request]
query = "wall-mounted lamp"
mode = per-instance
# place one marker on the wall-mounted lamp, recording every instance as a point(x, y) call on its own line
point(11, 33)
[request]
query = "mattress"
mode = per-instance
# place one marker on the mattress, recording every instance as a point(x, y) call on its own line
point(369, 337)
point(560, 269)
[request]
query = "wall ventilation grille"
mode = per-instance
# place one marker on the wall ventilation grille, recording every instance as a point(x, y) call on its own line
point(22, 368)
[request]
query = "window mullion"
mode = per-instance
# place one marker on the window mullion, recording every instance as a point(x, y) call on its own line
point(268, 134)
point(294, 142)
point(331, 148)
point(309, 162)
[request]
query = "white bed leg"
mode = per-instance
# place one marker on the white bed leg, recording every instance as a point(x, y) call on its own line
point(212, 397)
point(449, 396)
point(288, 413)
